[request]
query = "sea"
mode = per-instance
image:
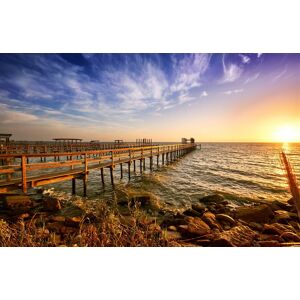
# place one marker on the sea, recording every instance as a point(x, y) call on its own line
point(239, 171)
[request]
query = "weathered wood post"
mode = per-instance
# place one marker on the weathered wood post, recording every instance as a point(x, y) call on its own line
point(85, 175)
point(121, 169)
point(102, 176)
point(73, 186)
point(24, 178)
point(129, 163)
point(111, 168)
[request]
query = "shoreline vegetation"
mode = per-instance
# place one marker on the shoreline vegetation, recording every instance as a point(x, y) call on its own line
point(45, 219)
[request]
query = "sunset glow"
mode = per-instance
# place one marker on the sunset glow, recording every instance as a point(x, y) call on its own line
point(287, 134)
point(212, 97)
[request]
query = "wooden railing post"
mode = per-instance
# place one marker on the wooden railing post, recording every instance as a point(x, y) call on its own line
point(24, 177)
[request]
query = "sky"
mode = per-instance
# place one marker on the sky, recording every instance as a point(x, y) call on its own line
point(211, 97)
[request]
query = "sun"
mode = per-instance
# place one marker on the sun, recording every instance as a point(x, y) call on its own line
point(286, 134)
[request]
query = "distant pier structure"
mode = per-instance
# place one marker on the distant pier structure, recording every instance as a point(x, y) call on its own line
point(144, 142)
point(4, 139)
point(190, 141)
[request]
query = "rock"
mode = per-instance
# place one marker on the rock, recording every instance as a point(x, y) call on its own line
point(268, 243)
point(17, 202)
point(172, 235)
point(291, 201)
point(280, 205)
point(239, 236)
point(212, 198)
point(51, 204)
point(195, 227)
point(72, 211)
point(57, 218)
point(225, 218)
point(290, 236)
point(276, 228)
point(210, 219)
point(225, 202)
point(73, 221)
point(145, 202)
point(192, 213)
point(282, 216)
point(259, 214)
point(256, 226)
point(55, 226)
point(199, 207)
point(172, 228)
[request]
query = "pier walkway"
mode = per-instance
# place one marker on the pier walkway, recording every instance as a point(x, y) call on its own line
point(27, 170)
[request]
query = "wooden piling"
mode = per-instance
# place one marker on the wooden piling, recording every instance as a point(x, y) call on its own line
point(73, 186)
point(102, 176)
point(111, 175)
point(129, 170)
point(24, 178)
point(121, 169)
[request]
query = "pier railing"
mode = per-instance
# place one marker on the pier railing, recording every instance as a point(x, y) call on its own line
point(36, 169)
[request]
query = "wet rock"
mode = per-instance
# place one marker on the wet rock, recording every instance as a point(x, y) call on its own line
point(280, 205)
point(199, 207)
point(239, 236)
point(212, 198)
point(290, 236)
point(256, 226)
point(276, 228)
point(192, 213)
point(195, 227)
point(291, 201)
point(225, 218)
point(282, 216)
point(259, 214)
point(210, 219)
point(51, 204)
point(271, 243)
point(145, 202)
point(17, 202)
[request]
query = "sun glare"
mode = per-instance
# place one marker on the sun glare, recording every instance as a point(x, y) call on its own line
point(286, 134)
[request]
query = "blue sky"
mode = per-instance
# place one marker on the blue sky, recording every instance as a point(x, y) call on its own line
point(107, 96)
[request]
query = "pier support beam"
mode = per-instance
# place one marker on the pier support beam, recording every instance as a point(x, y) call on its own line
point(121, 169)
point(84, 185)
point(129, 163)
point(111, 175)
point(134, 166)
point(73, 186)
point(102, 176)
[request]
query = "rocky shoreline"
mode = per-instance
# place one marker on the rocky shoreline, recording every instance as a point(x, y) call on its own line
point(43, 219)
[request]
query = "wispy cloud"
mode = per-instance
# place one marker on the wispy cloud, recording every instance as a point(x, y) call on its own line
point(245, 59)
point(231, 71)
point(230, 92)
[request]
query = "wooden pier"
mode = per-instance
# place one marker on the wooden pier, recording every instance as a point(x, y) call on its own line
point(28, 170)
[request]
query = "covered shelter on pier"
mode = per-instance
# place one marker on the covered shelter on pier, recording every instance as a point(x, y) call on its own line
point(4, 139)
point(67, 140)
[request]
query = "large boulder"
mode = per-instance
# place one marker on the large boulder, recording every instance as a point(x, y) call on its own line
point(51, 204)
point(238, 236)
point(194, 227)
point(17, 202)
point(259, 214)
